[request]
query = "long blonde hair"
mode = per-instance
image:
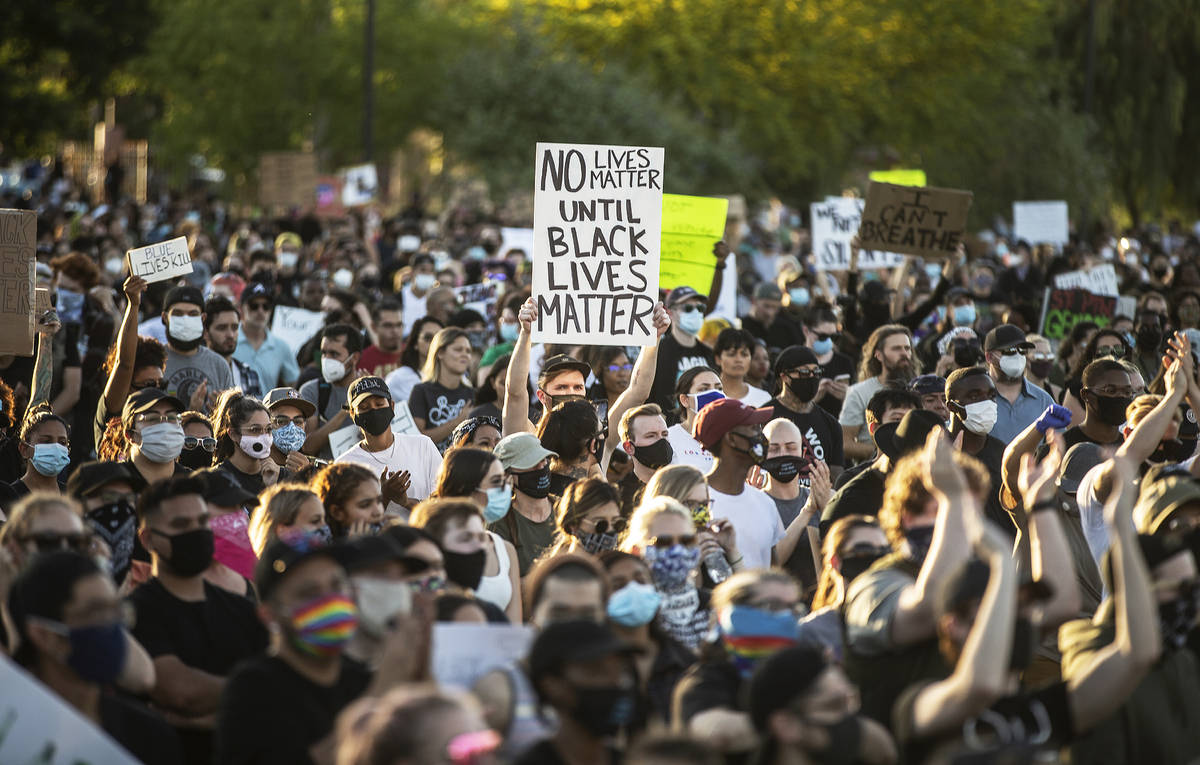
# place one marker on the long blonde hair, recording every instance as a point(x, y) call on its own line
point(644, 515)
point(674, 481)
point(432, 369)
point(279, 505)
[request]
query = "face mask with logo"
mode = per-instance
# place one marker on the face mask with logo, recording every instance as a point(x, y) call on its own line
point(785, 468)
point(701, 400)
point(981, 417)
point(751, 634)
point(1013, 366)
point(50, 459)
point(185, 329)
point(161, 443)
point(756, 449)
point(191, 551)
point(499, 500)
point(379, 602)
point(821, 347)
point(634, 604)
point(258, 447)
point(964, 315)
point(424, 282)
point(289, 438)
point(332, 370)
point(691, 321)
point(655, 455)
point(509, 332)
point(231, 542)
point(375, 422)
point(671, 568)
point(323, 625)
point(535, 483)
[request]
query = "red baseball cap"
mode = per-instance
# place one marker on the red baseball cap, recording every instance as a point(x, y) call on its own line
point(723, 415)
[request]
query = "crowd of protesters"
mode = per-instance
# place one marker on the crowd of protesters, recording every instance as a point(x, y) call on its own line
point(856, 516)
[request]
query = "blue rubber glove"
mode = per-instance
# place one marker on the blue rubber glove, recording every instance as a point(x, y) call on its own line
point(1055, 416)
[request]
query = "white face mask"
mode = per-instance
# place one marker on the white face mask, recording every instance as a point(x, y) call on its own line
point(424, 282)
point(981, 417)
point(1013, 366)
point(185, 328)
point(289, 259)
point(161, 443)
point(332, 370)
point(379, 601)
point(257, 447)
point(343, 278)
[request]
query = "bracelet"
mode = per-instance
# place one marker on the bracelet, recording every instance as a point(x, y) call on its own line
point(1045, 504)
point(739, 560)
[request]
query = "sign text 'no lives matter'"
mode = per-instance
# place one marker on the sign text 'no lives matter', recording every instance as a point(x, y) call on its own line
point(597, 237)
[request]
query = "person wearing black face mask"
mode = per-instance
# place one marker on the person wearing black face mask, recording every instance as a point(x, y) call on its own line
point(529, 525)
point(1150, 332)
point(106, 491)
point(800, 486)
point(195, 631)
point(644, 437)
point(585, 674)
point(799, 375)
point(1106, 393)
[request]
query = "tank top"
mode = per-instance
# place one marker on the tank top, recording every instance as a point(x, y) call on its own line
point(497, 589)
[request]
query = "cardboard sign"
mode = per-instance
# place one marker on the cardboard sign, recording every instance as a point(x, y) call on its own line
point(463, 653)
point(1101, 280)
point(329, 197)
point(899, 177)
point(296, 326)
point(37, 726)
point(925, 221)
point(1042, 222)
point(1063, 309)
point(834, 223)
point(343, 439)
point(597, 221)
point(359, 185)
point(287, 179)
point(690, 228)
point(18, 243)
point(162, 261)
point(516, 239)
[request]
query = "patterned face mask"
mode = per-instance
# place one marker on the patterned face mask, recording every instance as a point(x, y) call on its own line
point(672, 567)
point(323, 626)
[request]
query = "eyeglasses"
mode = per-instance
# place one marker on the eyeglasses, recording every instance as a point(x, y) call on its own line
point(823, 336)
point(282, 422)
point(667, 542)
point(803, 373)
point(690, 308)
point(208, 444)
point(254, 430)
point(602, 526)
point(1116, 351)
point(153, 418)
point(264, 307)
point(620, 367)
point(48, 541)
point(160, 383)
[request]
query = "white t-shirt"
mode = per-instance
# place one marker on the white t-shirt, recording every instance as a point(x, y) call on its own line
point(688, 450)
point(755, 397)
point(401, 381)
point(412, 308)
point(755, 519)
point(416, 454)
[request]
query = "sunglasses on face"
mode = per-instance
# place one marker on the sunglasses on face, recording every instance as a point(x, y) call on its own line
point(207, 444)
point(160, 383)
point(690, 308)
point(603, 527)
point(264, 307)
point(802, 374)
point(619, 367)
point(1115, 351)
point(48, 541)
point(667, 542)
point(823, 336)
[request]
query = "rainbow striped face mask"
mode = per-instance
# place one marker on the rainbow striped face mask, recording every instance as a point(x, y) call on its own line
point(323, 626)
point(751, 634)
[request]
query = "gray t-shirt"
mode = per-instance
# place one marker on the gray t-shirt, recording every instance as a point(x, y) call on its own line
point(185, 373)
point(854, 409)
point(337, 399)
point(871, 603)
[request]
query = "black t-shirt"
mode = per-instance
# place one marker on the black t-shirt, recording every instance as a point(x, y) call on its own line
point(559, 483)
point(143, 732)
point(270, 715)
point(674, 360)
point(850, 472)
point(712, 683)
point(1011, 730)
point(820, 430)
point(992, 457)
point(839, 364)
point(212, 635)
point(251, 483)
point(437, 405)
point(1071, 436)
point(862, 495)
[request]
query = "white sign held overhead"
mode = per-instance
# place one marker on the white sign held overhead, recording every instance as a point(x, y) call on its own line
point(359, 185)
point(162, 261)
point(1100, 280)
point(597, 221)
point(463, 653)
point(1041, 222)
point(834, 223)
point(296, 326)
point(516, 239)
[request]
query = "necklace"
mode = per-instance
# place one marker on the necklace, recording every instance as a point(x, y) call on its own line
point(371, 454)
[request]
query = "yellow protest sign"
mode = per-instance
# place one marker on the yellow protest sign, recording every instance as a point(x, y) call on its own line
point(900, 177)
point(690, 228)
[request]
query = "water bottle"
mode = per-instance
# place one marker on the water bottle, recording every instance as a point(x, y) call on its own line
point(717, 567)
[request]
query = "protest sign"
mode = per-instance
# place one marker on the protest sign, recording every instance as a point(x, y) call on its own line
point(1063, 309)
point(923, 221)
point(287, 179)
point(162, 261)
point(329, 197)
point(834, 223)
point(343, 439)
point(463, 653)
point(690, 228)
point(1041, 222)
point(478, 297)
point(295, 326)
point(18, 241)
point(359, 185)
point(36, 726)
point(1100, 280)
point(597, 221)
point(403, 422)
point(516, 239)
point(899, 177)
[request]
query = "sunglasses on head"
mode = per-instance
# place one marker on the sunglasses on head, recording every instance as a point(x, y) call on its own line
point(667, 542)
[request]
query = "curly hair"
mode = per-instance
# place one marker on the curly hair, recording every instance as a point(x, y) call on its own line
point(113, 446)
point(335, 484)
point(149, 353)
point(905, 493)
point(79, 267)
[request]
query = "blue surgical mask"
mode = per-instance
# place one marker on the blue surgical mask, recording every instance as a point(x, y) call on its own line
point(289, 438)
point(799, 295)
point(499, 500)
point(508, 332)
point(634, 604)
point(50, 459)
point(964, 315)
point(691, 321)
point(821, 347)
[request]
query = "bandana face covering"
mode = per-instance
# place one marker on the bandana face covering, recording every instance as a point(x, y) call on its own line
point(752, 634)
point(231, 542)
point(323, 626)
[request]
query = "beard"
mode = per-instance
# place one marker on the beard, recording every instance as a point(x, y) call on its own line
point(226, 350)
point(901, 372)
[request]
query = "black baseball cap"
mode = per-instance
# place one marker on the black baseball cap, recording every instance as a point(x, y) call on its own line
point(257, 290)
point(183, 294)
point(91, 477)
point(907, 436)
point(563, 643)
point(924, 385)
point(556, 365)
point(222, 489)
point(365, 387)
point(282, 556)
point(680, 294)
point(794, 356)
point(1006, 336)
point(142, 401)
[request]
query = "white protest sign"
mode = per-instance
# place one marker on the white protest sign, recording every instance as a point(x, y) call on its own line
point(463, 653)
point(403, 422)
point(478, 297)
point(834, 223)
point(296, 326)
point(36, 726)
point(1100, 280)
point(343, 439)
point(359, 184)
point(597, 221)
point(516, 239)
point(1041, 222)
point(162, 261)
point(1127, 306)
